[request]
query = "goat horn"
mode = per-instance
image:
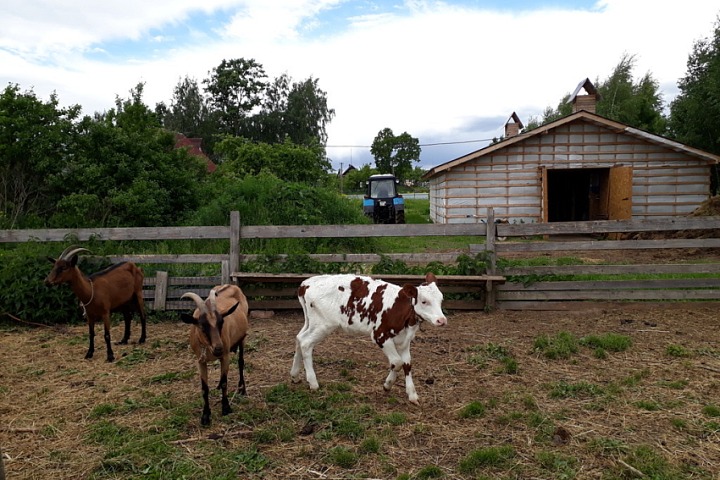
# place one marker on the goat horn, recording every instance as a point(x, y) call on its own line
point(70, 251)
point(197, 299)
point(212, 297)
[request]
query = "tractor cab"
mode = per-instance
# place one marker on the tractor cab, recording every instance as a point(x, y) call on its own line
point(382, 202)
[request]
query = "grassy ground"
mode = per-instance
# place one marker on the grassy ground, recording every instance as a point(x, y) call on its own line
point(604, 394)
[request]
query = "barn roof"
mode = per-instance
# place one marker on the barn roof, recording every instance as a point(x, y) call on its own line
point(582, 115)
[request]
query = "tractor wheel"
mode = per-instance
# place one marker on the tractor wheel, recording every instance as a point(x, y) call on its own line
point(400, 217)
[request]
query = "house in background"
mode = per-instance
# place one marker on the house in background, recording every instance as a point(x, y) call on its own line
point(580, 167)
point(194, 147)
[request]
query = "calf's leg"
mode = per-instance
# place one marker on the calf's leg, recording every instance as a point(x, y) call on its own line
point(306, 341)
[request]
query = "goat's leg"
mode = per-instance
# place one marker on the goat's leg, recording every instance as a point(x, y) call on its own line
point(224, 367)
point(127, 316)
point(242, 390)
point(205, 417)
point(91, 336)
point(143, 316)
point(108, 344)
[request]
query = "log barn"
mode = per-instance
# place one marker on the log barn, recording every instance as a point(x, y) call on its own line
point(579, 167)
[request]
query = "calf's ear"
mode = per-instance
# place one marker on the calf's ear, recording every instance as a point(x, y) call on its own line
point(50, 259)
point(409, 291)
point(430, 278)
point(187, 318)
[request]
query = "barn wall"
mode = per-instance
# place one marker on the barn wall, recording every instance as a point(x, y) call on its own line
point(665, 182)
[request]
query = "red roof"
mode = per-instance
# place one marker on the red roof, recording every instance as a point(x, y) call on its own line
point(194, 147)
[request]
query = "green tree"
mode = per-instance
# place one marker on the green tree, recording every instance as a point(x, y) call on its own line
point(35, 141)
point(235, 88)
point(395, 154)
point(287, 161)
point(125, 171)
point(189, 113)
point(695, 112)
point(356, 180)
point(638, 104)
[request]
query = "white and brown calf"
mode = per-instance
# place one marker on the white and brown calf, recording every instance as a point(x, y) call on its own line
point(219, 326)
point(390, 314)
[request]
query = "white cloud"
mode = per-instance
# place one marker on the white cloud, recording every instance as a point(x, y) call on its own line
point(431, 69)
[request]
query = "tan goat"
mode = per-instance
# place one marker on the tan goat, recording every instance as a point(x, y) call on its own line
point(219, 326)
point(118, 288)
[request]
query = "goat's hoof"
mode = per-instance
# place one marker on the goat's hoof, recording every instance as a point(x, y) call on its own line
point(205, 421)
point(110, 359)
point(88, 356)
point(142, 340)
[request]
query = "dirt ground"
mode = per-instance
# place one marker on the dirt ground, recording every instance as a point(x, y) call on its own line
point(658, 400)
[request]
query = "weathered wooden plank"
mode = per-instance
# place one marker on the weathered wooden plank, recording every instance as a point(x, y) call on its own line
point(409, 258)
point(295, 305)
point(588, 245)
point(160, 296)
point(127, 233)
point(613, 284)
point(179, 258)
point(344, 231)
point(532, 295)
point(589, 305)
point(613, 269)
point(607, 226)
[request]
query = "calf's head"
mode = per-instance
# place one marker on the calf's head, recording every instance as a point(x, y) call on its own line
point(427, 301)
point(209, 320)
point(64, 266)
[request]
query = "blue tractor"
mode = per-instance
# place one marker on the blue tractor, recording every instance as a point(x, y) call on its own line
point(382, 202)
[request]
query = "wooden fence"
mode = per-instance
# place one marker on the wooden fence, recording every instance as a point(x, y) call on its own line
point(163, 292)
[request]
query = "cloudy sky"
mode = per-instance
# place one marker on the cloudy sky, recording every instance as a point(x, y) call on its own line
point(447, 72)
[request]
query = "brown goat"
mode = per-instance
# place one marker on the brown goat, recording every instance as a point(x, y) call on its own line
point(219, 326)
point(118, 288)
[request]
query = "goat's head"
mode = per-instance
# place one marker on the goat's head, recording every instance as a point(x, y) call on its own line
point(63, 266)
point(209, 320)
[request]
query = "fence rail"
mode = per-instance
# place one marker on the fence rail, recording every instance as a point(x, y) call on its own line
point(163, 292)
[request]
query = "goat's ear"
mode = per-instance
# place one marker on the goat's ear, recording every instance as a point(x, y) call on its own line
point(409, 291)
point(187, 318)
point(50, 259)
point(232, 309)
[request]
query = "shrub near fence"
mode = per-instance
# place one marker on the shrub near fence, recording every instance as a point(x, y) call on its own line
point(163, 291)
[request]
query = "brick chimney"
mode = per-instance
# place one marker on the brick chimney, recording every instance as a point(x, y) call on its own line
point(513, 126)
point(586, 102)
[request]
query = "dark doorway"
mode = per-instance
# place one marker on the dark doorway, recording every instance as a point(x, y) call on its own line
point(577, 194)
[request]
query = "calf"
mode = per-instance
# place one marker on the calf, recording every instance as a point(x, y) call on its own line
point(390, 314)
point(219, 326)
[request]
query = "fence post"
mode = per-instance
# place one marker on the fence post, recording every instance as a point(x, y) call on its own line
point(490, 235)
point(161, 285)
point(234, 242)
point(225, 272)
